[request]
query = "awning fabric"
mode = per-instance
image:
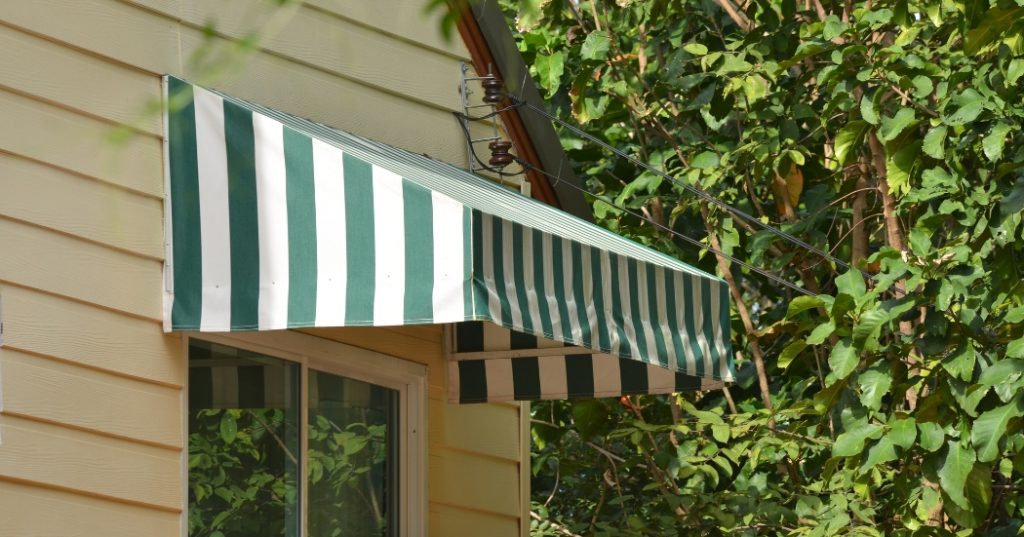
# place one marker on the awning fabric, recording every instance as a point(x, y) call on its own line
point(277, 222)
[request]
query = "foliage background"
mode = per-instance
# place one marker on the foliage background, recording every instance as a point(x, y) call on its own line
point(887, 132)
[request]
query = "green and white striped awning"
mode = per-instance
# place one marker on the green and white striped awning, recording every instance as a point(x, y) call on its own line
point(276, 222)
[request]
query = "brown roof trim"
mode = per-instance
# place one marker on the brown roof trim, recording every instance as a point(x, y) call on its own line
point(483, 62)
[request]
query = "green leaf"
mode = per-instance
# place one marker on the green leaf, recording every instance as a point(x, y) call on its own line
point(549, 71)
point(595, 46)
point(993, 143)
point(971, 104)
point(991, 425)
point(932, 435)
point(956, 466)
point(790, 352)
point(733, 63)
point(903, 432)
point(851, 283)
point(1015, 349)
point(874, 385)
point(721, 433)
point(804, 303)
point(892, 127)
point(833, 28)
point(696, 49)
point(1006, 370)
point(820, 333)
point(851, 442)
point(996, 21)
point(899, 167)
point(867, 110)
point(590, 417)
point(961, 363)
point(848, 139)
point(923, 86)
point(705, 160)
point(934, 142)
point(1014, 71)
point(843, 359)
point(978, 490)
point(882, 452)
point(228, 427)
point(868, 328)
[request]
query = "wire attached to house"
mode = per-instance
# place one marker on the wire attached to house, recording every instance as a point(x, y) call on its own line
point(516, 101)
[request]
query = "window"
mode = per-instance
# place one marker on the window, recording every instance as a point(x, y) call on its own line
point(321, 440)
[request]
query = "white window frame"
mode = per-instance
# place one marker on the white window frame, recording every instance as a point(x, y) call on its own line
point(321, 354)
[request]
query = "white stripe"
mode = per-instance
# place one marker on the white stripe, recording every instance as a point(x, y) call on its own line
point(681, 300)
point(549, 287)
point(449, 258)
point(215, 238)
point(530, 278)
point(553, 381)
point(646, 323)
point(272, 208)
point(662, 320)
point(627, 311)
point(389, 248)
point(702, 341)
point(487, 232)
point(607, 379)
point(569, 294)
point(508, 255)
point(723, 366)
point(588, 296)
point(499, 380)
point(660, 380)
point(331, 268)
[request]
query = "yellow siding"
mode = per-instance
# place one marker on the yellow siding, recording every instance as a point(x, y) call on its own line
point(90, 387)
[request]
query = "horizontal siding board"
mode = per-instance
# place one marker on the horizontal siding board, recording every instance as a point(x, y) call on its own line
point(63, 393)
point(81, 144)
point(450, 521)
point(90, 463)
point(81, 270)
point(488, 429)
point(77, 206)
point(477, 483)
point(330, 43)
point(97, 338)
point(81, 81)
point(28, 510)
point(402, 19)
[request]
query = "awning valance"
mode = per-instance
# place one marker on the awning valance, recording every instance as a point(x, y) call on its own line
point(277, 222)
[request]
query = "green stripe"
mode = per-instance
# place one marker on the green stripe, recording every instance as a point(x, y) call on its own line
point(519, 277)
point(616, 310)
point(243, 217)
point(673, 320)
point(576, 252)
point(655, 318)
point(184, 199)
point(359, 234)
point(419, 253)
point(558, 268)
point(298, 162)
point(643, 353)
point(498, 266)
point(579, 375)
point(538, 282)
point(603, 340)
point(479, 298)
point(689, 311)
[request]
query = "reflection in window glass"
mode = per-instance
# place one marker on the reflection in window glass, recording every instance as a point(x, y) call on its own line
point(243, 444)
point(353, 458)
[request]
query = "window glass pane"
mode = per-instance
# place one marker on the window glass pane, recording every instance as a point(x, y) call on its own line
point(352, 457)
point(243, 443)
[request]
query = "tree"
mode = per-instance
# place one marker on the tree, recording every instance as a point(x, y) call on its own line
point(888, 399)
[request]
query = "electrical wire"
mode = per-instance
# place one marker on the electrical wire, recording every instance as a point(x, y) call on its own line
point(516, 101)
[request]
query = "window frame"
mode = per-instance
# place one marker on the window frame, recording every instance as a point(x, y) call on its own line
point(409, 379)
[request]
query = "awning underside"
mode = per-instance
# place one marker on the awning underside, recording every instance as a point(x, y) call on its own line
point(277, 222)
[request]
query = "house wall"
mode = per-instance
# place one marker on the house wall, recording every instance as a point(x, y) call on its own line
point(91, 435)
